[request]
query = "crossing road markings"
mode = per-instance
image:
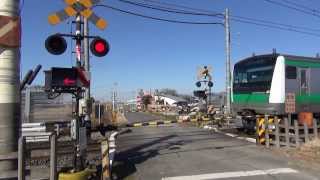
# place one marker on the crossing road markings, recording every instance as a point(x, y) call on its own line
point(235, 174)
point(74, 7)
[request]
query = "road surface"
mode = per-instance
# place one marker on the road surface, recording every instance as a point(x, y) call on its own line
point(135, 117)
point(181, 152)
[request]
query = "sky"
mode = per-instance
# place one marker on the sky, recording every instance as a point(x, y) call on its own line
point(150, 54)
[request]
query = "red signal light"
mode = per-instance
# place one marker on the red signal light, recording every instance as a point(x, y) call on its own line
point(99, 47)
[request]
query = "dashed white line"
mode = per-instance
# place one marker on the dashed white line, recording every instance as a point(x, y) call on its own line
point(235, 174)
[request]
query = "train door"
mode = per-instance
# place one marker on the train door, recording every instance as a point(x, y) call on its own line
point(304, 78)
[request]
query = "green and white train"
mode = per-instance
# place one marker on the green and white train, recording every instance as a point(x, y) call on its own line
point(260, 85)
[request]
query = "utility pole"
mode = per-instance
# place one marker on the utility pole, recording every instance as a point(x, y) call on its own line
point(9, 84)
point(114, 95)
point(228, 62)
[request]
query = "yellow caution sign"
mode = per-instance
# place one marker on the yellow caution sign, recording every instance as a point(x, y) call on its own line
point(261, 128)
point(82, 7)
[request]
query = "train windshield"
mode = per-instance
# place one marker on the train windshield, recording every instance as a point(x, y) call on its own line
point(253, 75)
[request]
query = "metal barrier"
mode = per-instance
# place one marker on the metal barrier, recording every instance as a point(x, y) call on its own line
point(22, 159)
point(165, 122)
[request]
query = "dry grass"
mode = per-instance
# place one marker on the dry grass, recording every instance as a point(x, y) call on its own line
point(309, 151)
point(307, 156)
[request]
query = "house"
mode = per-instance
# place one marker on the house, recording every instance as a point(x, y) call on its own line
point(169, 100)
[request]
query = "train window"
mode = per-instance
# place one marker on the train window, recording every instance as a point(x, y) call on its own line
point(291, 72)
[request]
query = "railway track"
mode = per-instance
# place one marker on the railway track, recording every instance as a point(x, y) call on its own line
point(40, 153)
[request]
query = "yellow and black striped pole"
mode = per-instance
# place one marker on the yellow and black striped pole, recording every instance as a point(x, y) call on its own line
point(262, 125)
point(260, 130)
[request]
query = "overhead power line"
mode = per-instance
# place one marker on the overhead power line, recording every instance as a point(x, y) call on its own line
point(275, 27)
point(302, 6)
point(171, 10)
point(156, 18)
point(288, 6)
point(276, 23)
point(247, 20)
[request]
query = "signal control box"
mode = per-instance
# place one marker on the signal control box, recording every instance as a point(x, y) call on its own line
point(66, 80)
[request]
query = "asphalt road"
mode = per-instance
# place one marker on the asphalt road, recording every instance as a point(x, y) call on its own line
point(135, 117)
point(181, 152)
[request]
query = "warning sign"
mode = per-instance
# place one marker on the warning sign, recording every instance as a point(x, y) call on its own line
point(10, 31)
point(290, 103)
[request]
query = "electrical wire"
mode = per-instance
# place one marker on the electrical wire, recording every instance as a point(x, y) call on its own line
point(292, 8)
point(244, 19)
point(275, 23)
point(240, 19)
point(180, 6)
point(156, 18)
point(301, 6)
point(171, 10)
point(220, 15)
point(275, 27)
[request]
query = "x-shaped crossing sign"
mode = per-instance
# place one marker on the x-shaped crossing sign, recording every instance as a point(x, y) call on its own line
point(78, 6)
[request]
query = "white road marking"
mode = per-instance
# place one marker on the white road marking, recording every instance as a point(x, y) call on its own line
point(231, 135)
point(235, 174)
point(7, 28)
point(252, 140)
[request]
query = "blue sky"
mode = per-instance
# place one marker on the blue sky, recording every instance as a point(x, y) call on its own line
point(150, 54)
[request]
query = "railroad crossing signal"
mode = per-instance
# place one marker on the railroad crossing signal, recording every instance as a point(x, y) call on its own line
point(56, 44)
point(99, 47)
point(75, 7)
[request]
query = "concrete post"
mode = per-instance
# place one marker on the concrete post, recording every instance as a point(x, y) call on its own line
point(9, 92)
point(53, 157)
point(21, 159)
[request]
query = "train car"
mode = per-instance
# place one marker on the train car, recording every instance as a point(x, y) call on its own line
point(260, 84)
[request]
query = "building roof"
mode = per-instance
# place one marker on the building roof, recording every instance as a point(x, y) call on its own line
point(175, 98)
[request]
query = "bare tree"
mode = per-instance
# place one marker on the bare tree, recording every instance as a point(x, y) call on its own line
point(146, 100)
